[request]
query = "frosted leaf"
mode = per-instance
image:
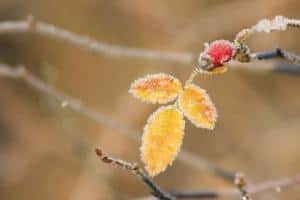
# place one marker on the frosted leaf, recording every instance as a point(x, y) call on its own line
point(162, 139)
point(156, 88)
point(214, 71)
point(198, 107)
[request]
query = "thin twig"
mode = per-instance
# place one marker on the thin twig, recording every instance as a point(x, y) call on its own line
point(135, 169)
point(292, 67)
point(277, 53)
point(193, 159)
point(21, 73)
point(275, 185)
point(38, 27)
point(279, 23)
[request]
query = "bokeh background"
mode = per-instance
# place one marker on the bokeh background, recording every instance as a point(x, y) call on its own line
point(47, 152)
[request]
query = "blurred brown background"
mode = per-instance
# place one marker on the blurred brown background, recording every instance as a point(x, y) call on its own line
point(47, 152)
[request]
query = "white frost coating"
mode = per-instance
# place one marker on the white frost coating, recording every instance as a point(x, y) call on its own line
point(279, 23)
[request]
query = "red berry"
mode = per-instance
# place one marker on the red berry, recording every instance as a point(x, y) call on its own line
point(219, 52)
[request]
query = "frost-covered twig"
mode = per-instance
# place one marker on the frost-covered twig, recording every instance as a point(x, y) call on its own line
point(42, 28)
point(135, 169)
point(193, 159)
point(213, 193)
point(277, 53)
point(279, 23)
point(21, 73)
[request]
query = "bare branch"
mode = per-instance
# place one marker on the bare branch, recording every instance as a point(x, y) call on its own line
point(253, 189)
point(32, 26)
point(22, 73)
point(135, 169)
point(275, 185)
point(277, 53)
point(193, 159)
point(279, 23)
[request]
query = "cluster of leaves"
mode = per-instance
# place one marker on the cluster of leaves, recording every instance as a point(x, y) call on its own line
point(164, 130)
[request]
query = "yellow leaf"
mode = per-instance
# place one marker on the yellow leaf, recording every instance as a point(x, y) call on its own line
point(162, 139)
point(197, 107)
point(156, 88)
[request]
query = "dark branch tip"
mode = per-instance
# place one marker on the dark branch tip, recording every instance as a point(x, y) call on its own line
point(135, 167)
point(106, 159)
point(98, 152)
point(279, 52)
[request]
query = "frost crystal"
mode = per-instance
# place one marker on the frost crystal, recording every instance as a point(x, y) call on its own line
point(279, 23)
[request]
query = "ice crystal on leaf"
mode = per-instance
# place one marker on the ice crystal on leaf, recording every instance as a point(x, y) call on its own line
point(164, 130)
point(156, 88)
point(197, 107)
point(162, 139)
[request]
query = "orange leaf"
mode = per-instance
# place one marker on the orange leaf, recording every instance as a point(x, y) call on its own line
point(156, 88)
point(162, 139)
point(197, 107)
point(218, 70)
point(215, 70)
